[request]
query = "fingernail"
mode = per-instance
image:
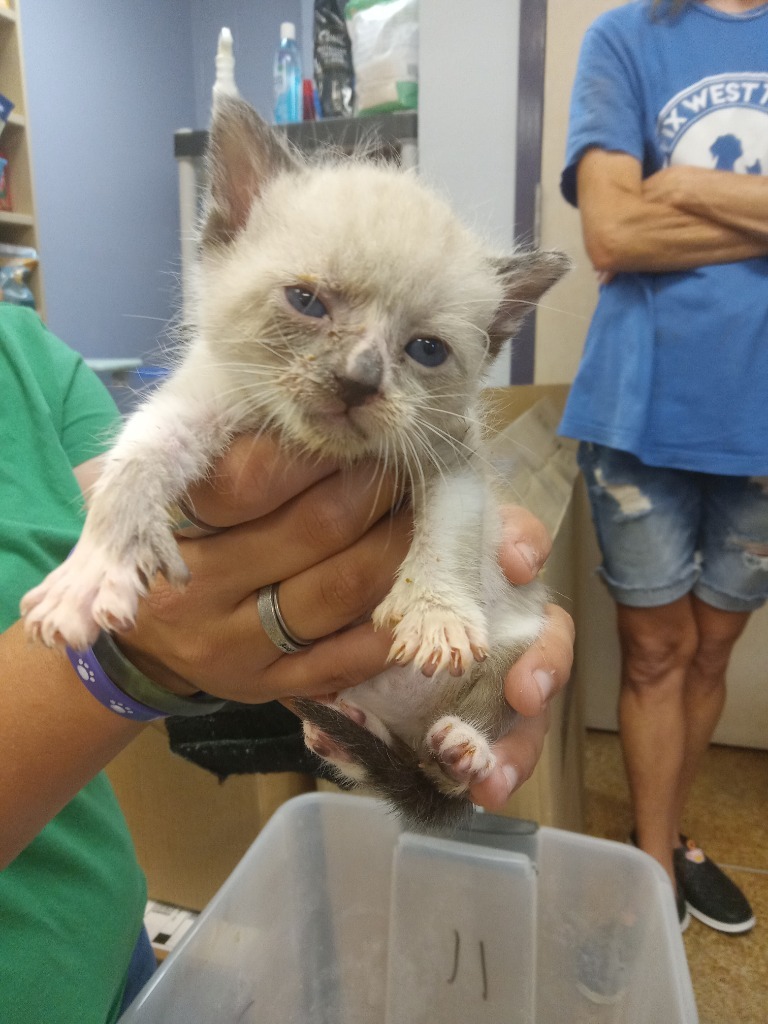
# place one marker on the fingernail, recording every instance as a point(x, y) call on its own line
point(545, 682)
point(529, 556)
point(512, 777)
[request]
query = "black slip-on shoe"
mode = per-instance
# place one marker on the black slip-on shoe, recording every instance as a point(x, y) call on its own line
point(710, 894)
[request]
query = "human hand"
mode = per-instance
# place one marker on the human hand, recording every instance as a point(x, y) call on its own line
point(328, 536)
point(537, 676)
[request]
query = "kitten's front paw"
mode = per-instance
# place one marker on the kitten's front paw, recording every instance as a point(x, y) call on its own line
point(77, 600)
point(462, 752)
point(434, 637)
point(91, 591)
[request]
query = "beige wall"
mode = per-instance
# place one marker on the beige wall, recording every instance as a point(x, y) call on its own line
point(561, 328)
point(563, 319)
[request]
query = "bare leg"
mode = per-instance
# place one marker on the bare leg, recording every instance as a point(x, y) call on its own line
point(717, 631)
point(658, 647)
point(674, 662)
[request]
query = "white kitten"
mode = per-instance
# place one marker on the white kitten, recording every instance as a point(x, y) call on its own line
point(342, 306)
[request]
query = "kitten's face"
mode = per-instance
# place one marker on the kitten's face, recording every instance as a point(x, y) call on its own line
point(358, 306)
point(351, 306)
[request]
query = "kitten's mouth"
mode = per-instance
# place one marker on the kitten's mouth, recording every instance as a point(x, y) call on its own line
point(335, 417)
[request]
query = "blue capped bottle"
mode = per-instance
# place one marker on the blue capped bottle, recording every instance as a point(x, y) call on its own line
point(288, 81)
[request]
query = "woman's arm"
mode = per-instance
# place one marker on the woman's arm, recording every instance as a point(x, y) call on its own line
point(738, 202)
point(628, 227)
point(54, 737)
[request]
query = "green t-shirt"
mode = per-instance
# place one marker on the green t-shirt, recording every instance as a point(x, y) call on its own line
point(71, 905)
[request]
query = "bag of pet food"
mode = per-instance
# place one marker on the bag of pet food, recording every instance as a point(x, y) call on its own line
point(385, 54)
point(334, 73)
point(16, 264)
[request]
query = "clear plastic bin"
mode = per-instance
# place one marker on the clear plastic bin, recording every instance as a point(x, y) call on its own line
point(336, 916)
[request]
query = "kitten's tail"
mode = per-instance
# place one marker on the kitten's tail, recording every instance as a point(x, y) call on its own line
point(393, 772)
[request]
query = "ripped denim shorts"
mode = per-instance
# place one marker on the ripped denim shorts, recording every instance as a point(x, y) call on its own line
point(665, 533)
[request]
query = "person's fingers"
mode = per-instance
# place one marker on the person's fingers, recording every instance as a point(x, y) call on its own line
point(517, 753)
point(526, 544)
point(332, 664)
point(319, 523)
point(543, 670)
point(252, 479)
point(535, 678)
point(347, 587)
point(211, 633)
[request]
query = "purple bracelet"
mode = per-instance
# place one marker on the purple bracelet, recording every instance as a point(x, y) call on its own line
point(100, 686)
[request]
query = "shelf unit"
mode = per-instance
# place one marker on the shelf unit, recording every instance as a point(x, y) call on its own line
point(18, 226)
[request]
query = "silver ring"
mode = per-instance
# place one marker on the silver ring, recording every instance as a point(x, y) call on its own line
point(274, 624)
point(185, 523)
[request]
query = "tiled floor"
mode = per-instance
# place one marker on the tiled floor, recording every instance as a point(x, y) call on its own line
point(728, 816)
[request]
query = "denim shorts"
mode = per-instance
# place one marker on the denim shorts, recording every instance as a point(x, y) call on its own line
point(665, 533)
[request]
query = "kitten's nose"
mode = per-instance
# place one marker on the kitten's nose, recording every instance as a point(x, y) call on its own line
point(361, 380)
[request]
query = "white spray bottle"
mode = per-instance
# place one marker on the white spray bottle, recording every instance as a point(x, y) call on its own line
point(225, 67)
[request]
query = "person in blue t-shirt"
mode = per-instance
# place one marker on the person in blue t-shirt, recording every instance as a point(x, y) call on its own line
point(667, 161)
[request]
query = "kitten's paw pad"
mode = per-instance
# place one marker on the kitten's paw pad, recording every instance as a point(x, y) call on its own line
point(353, 712)
point(320, 743)
point(463, 753)
point(436, 639)
point(365, 720)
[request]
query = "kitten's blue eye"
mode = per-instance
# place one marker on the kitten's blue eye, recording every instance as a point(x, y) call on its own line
point(306, 302)
point(427, 351)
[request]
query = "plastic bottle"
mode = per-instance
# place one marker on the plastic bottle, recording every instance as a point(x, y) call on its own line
point(288, 80)
point(225, 67)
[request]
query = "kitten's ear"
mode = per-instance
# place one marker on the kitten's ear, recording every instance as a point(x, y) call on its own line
point(244, 154)
point(526, 276)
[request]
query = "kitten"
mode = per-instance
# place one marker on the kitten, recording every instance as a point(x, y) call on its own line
point(342, 306)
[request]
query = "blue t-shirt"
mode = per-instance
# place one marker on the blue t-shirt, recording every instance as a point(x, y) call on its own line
point(675, 366)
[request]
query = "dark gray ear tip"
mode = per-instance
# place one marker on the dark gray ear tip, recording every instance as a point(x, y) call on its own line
point(558, 263)
point(541, 261)
point(547, 259)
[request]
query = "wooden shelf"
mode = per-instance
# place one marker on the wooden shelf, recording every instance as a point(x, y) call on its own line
point(16, 219)
point(17, 226)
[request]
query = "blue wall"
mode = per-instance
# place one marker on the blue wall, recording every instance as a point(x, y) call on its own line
point(107, 86)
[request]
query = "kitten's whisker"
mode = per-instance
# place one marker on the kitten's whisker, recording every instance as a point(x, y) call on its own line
point(473, 453)
point(474, 420)
point(427, 453)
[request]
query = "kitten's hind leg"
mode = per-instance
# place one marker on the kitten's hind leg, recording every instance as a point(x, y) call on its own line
point(462, 752)
point(128, 536)
point(342, 734)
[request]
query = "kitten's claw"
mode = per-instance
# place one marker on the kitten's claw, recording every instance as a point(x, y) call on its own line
point(463, 753)
point(437, 639)
point(94, 590)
